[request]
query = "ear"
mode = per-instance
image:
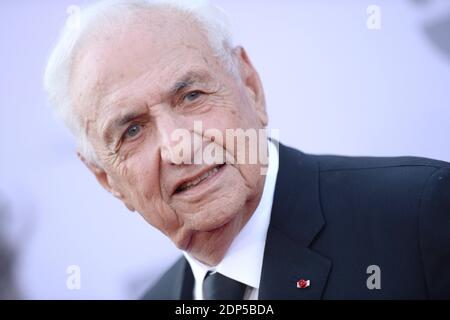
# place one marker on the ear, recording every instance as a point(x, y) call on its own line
point(252, 82)
point(104, 179)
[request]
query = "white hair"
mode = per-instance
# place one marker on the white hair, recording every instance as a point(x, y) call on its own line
point(211, 19)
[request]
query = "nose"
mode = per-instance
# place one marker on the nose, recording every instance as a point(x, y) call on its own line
point(178, 143)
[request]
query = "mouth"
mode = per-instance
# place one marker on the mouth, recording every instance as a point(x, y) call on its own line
point(194, 183)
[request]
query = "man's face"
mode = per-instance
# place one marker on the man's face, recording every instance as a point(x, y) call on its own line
point(133, 86)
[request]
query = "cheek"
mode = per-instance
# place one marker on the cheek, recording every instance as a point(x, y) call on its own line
point(141, 179)
point(252, 175)
point(232, 112)
point(229, 113)
point(143, 192)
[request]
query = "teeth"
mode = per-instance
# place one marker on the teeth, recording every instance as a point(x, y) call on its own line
point(196, 181)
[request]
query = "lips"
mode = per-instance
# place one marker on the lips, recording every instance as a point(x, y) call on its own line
point(194, 181)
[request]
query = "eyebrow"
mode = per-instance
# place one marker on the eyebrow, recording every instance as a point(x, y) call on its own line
point(180, 86)
point(187, 80)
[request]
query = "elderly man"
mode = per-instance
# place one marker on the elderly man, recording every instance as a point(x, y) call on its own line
point(130, 75)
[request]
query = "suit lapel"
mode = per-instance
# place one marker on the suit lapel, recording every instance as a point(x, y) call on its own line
point(183, 281)
point(295, 221)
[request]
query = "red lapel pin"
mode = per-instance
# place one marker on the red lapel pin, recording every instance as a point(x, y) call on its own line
point(302, 283)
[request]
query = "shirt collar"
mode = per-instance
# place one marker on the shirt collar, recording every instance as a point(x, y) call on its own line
point(243, 260)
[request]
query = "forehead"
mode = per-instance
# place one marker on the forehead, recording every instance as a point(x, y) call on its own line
point(148, 47)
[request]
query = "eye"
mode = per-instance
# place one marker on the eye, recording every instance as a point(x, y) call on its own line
point(133, 131)
point(191, 96)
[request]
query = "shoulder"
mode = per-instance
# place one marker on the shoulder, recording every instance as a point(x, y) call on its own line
point(369, 184)
point(393, 175)
point(330, 163)
point(406, 200)
point(169, 285)
point(373, 178)
point(383, 185)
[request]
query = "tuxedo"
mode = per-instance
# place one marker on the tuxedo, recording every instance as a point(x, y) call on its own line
point(341, 222)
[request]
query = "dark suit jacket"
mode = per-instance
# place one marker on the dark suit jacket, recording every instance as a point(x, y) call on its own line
point(334, 216)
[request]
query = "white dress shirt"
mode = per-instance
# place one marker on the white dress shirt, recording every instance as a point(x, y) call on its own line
point(243, 260)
